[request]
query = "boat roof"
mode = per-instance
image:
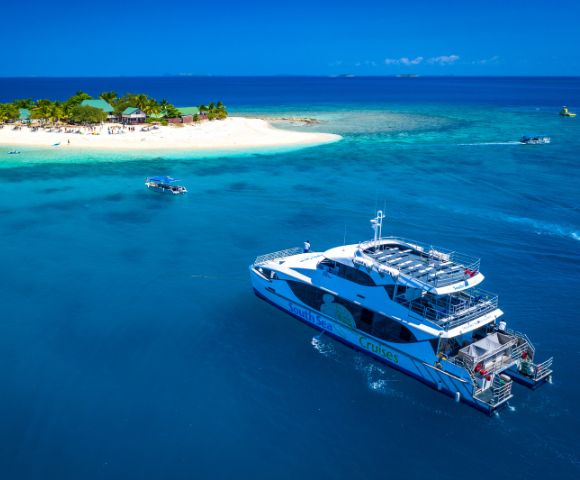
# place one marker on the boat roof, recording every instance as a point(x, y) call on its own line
point(432, 269)
point(164, 179)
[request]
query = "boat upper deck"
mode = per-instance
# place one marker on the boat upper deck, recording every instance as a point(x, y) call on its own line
point(434, 267)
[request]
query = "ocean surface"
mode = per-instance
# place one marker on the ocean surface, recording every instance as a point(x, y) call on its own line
point(132, 346)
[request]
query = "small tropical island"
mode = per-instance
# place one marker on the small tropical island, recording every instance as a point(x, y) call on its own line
point(138, 122)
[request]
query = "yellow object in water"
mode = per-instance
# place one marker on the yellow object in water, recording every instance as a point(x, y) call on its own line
point(565, 113)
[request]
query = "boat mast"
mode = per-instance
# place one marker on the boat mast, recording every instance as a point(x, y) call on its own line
point(377, 226)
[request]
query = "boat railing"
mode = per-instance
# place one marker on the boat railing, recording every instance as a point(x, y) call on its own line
point(471, 305)
point(525, 343)
point(501, 391)
point(269, 257)
point(470, 264)
point(543, 369)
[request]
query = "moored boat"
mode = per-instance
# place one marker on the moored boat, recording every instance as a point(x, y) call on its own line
point(566, 113)
point(164, 184)
point(410, 305)
point(535, 139)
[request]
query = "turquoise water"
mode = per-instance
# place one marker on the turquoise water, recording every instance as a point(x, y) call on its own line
point(132, 345)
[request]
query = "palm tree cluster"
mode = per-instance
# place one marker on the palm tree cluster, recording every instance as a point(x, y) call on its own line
point(9, 112)
point(214, 111)
point(70, 110)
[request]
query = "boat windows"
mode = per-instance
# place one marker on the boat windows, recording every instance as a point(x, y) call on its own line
point(351, 314)
point(348, 273)
point(355, 275)
point(269, 274)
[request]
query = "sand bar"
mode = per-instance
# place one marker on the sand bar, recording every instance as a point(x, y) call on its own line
point(233, 133)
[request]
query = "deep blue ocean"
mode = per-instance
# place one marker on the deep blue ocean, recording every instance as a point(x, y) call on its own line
point(132, 346)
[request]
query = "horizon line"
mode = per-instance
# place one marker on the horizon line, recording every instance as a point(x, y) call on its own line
point(342, 75)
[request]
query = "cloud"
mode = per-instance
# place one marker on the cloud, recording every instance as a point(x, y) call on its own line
point(440, 60)
point(403, 61)
point(486, 61)
point(443, 60)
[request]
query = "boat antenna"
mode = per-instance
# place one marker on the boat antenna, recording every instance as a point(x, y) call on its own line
point(344, 242)
point(377, 226)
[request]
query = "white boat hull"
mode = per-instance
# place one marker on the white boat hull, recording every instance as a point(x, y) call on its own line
point(416, 359)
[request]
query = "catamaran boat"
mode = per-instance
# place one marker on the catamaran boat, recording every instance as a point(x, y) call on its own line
point(165, 185)
point(534, 139)
point(412, 306)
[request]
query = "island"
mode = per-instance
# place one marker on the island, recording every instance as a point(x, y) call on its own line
point(140, 122)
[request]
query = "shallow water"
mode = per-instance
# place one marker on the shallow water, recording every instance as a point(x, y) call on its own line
point(132, 344)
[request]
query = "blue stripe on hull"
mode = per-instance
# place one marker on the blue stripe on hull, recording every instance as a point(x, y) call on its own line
point(376, 357)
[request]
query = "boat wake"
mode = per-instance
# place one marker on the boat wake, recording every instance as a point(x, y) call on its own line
point(323, 346)
point(488, 143)
point(375, 376)
point(545, 228)
point(539, 227)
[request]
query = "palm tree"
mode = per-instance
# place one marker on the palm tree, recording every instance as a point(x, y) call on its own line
point(141, 101)
point(42, 110)
point(57, 112)
point(23, 103)
point(221, 111)
point(78, 97)
point(8, 111)
point(150, 107)
point(109, 97)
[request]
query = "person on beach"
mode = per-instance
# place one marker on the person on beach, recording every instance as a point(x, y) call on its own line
point(306, 246)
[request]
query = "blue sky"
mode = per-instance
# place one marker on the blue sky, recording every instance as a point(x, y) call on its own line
point(362, 37)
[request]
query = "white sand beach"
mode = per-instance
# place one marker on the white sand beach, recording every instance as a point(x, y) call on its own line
point(232, 133)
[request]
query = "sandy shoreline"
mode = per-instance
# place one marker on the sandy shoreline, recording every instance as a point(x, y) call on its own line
point(229, 134)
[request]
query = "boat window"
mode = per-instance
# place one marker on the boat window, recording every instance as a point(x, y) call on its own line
point(355, 275)
point(344, 271)
point(391, 330)
point(390, 290)
point(365, 322)
point(351, 314)
point(271, 274)
point(327, 264)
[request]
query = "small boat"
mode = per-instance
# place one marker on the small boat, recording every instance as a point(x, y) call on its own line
point(566, 113)
point(165, 185)
point(534, 139)
point(14, 152)
point(56, 144)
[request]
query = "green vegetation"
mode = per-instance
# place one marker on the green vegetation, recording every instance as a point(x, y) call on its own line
point(214, 111)
point(71, 110)
point(86, 114)
point(9, 112)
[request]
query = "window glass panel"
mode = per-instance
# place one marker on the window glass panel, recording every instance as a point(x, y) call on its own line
point(352, 314)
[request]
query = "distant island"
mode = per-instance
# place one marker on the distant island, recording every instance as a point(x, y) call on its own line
point(138, 122)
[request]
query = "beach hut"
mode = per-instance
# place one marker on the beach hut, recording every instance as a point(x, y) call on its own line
point(133, 116)
point(101, 104)
point(186, 116)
